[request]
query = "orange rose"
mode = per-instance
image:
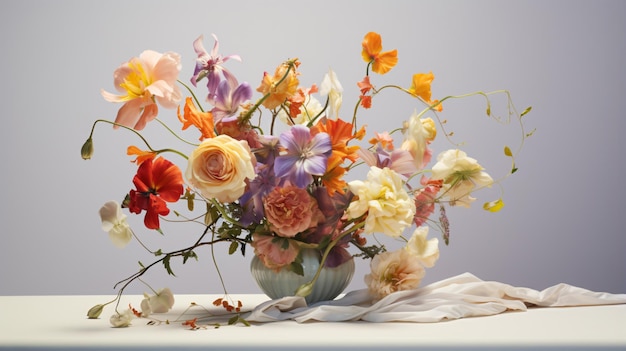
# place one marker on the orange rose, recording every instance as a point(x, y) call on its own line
point(219, 168)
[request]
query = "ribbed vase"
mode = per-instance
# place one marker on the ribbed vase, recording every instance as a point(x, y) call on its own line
point(331, 282)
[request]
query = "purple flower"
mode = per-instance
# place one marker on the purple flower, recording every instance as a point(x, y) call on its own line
point(210, 66)
point(304, 155)
point(252, 199)
point(229, 96)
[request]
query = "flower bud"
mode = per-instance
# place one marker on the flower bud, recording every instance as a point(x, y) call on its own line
point(87, 150)
point(95, 311)
point(305, 289)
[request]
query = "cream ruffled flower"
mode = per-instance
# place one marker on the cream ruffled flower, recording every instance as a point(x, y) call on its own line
point(114, 222)
point(461, 176)
point(161, 302)
point(393, 271)
point(389, 207)
point(426, 251)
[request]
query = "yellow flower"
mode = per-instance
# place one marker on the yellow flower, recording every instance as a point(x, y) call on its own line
point(389, 207)
point(420, 87)
point(281, 86)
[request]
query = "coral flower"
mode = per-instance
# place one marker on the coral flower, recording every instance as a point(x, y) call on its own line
point(145, 81)
point(201, 120)
point(383, 62)
point(340, 133)
point(274, 252)
point(420, 87)
point(157, 181)
point(289, 210)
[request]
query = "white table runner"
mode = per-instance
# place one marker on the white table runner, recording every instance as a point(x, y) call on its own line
point(458, 297)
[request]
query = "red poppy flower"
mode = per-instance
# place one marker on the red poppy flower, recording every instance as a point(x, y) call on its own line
point(157, 181)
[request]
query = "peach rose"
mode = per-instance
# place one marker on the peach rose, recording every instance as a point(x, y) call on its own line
point(219, 168)
point(393, 271)
point(289, 210)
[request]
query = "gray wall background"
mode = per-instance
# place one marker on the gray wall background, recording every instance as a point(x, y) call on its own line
point(564, 216)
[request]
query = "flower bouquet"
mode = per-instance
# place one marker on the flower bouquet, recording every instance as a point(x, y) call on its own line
point(272, 172)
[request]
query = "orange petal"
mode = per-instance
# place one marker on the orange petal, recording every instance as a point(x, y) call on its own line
point(372, 45)
point(385, 61)
point(141, 154)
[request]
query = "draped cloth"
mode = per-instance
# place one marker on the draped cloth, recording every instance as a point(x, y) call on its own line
point(461, 296)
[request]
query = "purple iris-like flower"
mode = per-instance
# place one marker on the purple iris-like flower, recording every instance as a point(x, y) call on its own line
point(304, 155)
point(252, 199)
point(229, 96)
point(210, 66)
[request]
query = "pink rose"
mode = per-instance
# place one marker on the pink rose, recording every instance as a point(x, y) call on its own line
point(219, 168)
point(274, 253)
point(290, 210)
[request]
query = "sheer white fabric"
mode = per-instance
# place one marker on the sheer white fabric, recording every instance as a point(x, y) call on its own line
point(461, 296)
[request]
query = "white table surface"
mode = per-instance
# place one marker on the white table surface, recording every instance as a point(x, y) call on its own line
point(59, 322)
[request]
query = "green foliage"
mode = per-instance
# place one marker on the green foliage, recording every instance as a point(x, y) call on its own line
point(233, 247)
point(166, 264)
point(189, 254)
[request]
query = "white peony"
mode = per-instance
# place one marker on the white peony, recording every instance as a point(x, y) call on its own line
point(389, 207)
point(461, 176)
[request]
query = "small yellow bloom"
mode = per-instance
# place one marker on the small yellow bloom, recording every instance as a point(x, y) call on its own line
point(494, 206)
point(420, 87)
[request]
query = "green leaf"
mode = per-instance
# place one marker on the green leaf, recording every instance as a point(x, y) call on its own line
point(166, 264)
point(528, 109)
point(233, 247)
point(297, 268)
point(233, 320)
point(507, 151)
point(514, 169)
point(158, 252)
point(190, 197)
point(188, 254)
